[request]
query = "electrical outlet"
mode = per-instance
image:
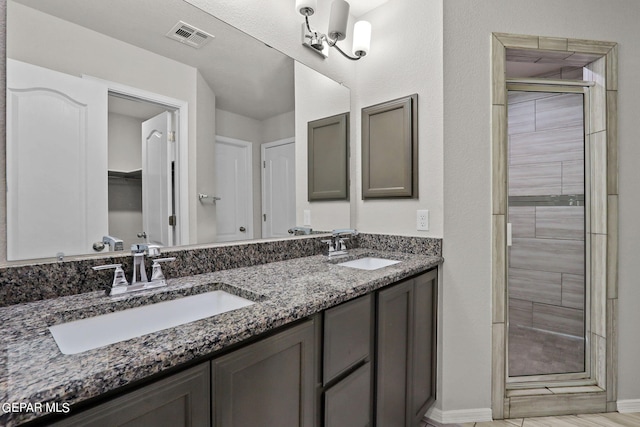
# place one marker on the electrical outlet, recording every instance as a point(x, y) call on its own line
point(307, 217)
point(422, 220)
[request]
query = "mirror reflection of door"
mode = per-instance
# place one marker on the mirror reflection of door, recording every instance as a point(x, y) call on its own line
point(278, 188)
point(141, 190)
point(234, 210)
point(56, 168)
point(157, 194)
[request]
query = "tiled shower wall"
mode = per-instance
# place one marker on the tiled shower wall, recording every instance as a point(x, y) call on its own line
point(546, 260)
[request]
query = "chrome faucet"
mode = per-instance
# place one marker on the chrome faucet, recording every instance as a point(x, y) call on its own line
point(139, 251)
point(298, 231)
point(336, 244)
point(120, 284)
point(139, 280)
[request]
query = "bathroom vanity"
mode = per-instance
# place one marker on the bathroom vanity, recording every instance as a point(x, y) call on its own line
point(323, 344)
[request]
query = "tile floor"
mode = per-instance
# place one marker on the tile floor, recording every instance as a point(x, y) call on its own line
point(532, 351)
point(612, 419)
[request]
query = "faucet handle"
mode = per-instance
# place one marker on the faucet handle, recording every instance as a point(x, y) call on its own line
point(330, 243)
point(150, 250)
point(153, 250)
point(340, 243)
point(156, 269)
point(159, 260)
point(138, 248)
point(119, 279)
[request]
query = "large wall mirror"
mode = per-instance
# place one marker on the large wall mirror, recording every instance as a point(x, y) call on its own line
point(154, 122)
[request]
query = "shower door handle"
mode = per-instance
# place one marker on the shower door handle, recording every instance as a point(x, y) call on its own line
point(509, 236)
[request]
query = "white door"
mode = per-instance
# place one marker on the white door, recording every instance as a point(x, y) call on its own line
point(56, 163)
point(234, 210)
point(157, 188)
point(278, 188)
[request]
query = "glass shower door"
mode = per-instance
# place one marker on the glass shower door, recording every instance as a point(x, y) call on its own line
point(546, 215)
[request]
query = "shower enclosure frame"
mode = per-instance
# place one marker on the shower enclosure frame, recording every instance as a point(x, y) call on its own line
point(529, 381)
point(596, 391)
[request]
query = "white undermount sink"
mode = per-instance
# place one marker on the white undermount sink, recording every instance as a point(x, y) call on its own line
point(93, 332)
point(369, 263)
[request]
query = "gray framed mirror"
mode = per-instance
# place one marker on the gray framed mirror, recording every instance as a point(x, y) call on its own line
point(390, 149)
point(230, 91)
point(328, 153)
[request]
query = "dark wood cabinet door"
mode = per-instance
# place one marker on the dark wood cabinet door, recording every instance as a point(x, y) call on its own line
point(424, 344)
point(393, 355)
point(269, 383)
point(181, 400)
point(406, 351)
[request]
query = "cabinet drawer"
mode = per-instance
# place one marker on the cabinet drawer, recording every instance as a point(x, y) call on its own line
point(348, 403)
point(347, 336)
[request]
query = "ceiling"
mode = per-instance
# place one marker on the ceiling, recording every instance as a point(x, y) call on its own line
point(133, 108)
point(360, 7)
point(536, 63)
point(234, 64)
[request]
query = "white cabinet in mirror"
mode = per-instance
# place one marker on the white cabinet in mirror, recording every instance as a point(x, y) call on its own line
point(114, 128)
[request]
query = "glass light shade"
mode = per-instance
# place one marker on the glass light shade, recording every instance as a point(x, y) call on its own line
point(338, 20)
point(361, 38)
point(306, 7)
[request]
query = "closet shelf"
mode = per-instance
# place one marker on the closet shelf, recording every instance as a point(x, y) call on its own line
point(132, 174)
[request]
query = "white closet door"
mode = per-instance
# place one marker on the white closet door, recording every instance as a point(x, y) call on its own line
point(279, 188)
point(234, 210)
point(56, 163)
point(157, 190)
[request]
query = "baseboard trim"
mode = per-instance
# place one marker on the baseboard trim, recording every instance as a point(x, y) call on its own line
point(627, 406)
point(459, 416)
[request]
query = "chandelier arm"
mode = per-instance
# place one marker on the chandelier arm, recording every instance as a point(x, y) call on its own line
point(306, 19)
point(334, 43)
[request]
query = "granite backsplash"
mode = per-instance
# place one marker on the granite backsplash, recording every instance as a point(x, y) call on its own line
point(20, 284)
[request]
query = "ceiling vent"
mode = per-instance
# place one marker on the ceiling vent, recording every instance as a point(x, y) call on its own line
point(189, 35)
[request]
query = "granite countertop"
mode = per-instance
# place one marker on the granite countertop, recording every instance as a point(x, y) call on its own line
point(32, 368)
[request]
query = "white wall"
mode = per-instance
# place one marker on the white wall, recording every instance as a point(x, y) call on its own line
point(206, 157)
point(405, 58)
point(317, 97)
point(234, 125)
point(125, 210)
point(279, 127)
point(467, 176)
point(125, 195)
point(125, 146)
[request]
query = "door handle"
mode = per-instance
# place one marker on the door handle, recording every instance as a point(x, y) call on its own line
point(243, 229)
point(509, 235)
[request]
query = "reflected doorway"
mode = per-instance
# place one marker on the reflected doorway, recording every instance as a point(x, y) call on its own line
point(141, 186)
point(278, 188)
point(234, 194)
